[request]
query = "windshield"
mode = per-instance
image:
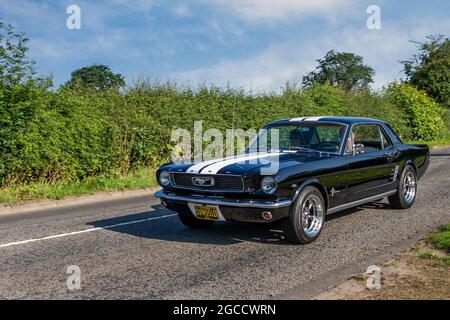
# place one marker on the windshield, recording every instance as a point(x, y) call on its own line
point(305, 136)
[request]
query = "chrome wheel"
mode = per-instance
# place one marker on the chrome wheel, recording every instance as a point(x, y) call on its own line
point(312, 215)
point(409, 187)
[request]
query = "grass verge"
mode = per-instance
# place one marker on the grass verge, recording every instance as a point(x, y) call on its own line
point(139, 179)
point(440, 240)
point(428, 255)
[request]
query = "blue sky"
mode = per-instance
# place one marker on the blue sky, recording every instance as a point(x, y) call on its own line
point(254, 44)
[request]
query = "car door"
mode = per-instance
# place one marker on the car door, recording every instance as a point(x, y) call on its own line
point(369, 164)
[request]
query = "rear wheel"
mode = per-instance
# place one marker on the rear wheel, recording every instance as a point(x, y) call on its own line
point(406, 191)
point(189, 220)
point(307, 217)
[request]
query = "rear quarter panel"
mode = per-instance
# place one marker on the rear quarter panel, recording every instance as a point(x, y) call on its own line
point(417, 155)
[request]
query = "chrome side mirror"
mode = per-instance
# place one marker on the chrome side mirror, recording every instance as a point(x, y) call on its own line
point(359, 148)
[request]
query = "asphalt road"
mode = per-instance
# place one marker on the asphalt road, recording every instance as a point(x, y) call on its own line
point(135, 249)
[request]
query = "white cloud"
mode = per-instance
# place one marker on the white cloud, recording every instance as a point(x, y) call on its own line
point(257, 10)
point(289, 61)
point(268, 70)
point(182, 11)
point(384, 49)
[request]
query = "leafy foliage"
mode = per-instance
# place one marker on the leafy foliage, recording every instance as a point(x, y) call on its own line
point(429, 70)
point(15, 68)
point(96, 78)
point(424, 115)
point(344, 70)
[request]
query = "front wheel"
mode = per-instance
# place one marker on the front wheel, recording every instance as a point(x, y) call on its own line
point(307, 217)
point(189, 220)
point(406, 191)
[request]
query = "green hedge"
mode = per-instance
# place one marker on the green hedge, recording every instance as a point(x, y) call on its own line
point(69, 135)
point(423, 115)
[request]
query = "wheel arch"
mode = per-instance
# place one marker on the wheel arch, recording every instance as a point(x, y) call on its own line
point(411, 163)
point(315, 183)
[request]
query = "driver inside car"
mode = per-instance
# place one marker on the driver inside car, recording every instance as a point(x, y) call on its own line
point(350, 143)
point(352, 146)
point(296, 139)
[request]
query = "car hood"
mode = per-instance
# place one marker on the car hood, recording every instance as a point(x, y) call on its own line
point(250, 164)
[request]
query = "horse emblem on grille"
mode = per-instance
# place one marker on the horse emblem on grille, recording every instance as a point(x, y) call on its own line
point(203, 181)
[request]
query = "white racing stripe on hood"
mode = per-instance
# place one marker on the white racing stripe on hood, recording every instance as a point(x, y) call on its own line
point(216, 167)
point(196, 168)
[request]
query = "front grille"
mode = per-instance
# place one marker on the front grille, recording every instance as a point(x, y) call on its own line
point(227, 183)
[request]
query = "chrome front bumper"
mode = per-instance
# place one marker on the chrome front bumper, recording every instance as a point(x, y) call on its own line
point(214, 201)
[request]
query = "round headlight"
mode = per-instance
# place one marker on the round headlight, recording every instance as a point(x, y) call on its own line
point(269, 185)
point(164, 178)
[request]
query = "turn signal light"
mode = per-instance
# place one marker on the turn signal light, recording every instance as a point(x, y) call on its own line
point(266, 215)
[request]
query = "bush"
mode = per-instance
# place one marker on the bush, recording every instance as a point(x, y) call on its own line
point(71, 134)
point(424, 116)
point(447, 119)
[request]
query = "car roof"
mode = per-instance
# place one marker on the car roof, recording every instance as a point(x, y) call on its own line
point(344, 120)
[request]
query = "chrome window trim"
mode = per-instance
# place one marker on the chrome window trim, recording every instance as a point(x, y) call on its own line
point(386, 137)
point(343, 142)
point(380, 127)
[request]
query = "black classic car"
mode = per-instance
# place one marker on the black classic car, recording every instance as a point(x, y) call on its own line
point(316, 166)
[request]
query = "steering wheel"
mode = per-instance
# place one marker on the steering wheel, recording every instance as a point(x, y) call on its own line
point(329, 145)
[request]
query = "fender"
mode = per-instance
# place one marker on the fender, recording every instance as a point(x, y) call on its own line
point(314, 182)
point(411, 163)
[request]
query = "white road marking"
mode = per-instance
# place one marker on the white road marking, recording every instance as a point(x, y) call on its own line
point(61, 235)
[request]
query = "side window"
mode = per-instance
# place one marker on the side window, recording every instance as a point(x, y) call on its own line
point(394, 136)
point(385, 140)
point(365, 138)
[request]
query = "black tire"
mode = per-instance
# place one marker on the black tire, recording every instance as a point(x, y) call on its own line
point(189, 220)
point(402, 199)
point(293, 226)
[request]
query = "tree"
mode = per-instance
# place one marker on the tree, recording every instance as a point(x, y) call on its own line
point(15, 67)
point(344, 70)
point(97, 78)
point(429, 70)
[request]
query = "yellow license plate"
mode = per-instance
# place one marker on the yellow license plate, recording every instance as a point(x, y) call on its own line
point(206, 212)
